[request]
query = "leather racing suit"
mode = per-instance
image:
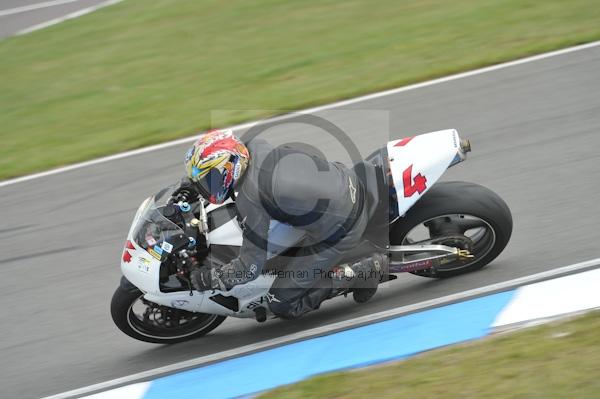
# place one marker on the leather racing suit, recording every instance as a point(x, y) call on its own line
point(324, 199)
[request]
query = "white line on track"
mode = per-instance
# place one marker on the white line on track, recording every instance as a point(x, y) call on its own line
point(306, 111)
point(36, 6)
point(75, 14)
point(331, 328)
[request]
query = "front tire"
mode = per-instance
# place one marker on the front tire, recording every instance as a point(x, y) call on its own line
point(459, 214)
point(157, 324)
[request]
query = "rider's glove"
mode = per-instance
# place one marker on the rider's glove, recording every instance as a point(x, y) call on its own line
point(225, 277)
point(186, 192)
point(206, 278)
point(235, 273)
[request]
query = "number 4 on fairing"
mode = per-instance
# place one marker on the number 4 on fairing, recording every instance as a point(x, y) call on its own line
point(411, 186)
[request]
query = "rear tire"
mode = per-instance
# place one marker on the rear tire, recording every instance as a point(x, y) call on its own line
point(455, 202)
point(164, 327)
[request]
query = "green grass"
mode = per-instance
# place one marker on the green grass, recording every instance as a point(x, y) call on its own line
point(142, 72)
point(553, 361)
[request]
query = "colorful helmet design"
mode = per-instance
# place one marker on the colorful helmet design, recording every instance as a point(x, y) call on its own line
point(215, 163)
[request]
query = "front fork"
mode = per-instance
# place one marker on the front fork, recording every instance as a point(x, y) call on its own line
point(432, 257)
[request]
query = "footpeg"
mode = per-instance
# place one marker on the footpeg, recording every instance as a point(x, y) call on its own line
point(261, 314)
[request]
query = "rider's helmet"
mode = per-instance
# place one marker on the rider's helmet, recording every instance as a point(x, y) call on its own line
point(215, 162)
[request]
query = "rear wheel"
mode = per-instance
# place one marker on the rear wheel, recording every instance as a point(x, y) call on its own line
point(457, 214)
point(150, 322)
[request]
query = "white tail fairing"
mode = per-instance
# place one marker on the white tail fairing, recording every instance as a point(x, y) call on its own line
point(418, 162)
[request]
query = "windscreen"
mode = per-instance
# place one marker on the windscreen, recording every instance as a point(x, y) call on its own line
point(152, 228)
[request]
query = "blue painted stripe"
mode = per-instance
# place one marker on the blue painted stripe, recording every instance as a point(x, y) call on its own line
point(373, 343)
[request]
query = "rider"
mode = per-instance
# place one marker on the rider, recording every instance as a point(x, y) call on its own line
point(324, 199)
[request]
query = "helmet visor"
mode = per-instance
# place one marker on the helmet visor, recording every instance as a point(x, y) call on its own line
point(211, 186)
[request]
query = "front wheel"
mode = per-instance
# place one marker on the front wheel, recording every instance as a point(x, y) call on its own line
point(457, 214)
point(150, 322)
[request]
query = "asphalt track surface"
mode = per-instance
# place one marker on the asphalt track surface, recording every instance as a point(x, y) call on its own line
point(535, 131)
point(13, 23)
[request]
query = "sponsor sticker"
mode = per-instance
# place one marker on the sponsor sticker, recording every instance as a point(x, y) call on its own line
point(237, 170)
point(189, 154)
point(412, 266)
point(150, 240)
point(143, 265)
point(154, 254)
point(167, 247)
point(257, 302)
point(271, 298)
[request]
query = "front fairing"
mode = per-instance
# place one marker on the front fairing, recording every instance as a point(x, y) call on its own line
point(148, 242)
point(141, 262)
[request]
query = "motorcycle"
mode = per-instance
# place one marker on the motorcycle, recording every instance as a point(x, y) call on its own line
point(437, 230)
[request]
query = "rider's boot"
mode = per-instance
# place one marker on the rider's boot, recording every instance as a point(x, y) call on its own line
point(368, 273)
point(360, 278)
point(342, 280)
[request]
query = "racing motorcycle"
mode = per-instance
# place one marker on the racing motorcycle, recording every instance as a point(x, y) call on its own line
point(435, 230)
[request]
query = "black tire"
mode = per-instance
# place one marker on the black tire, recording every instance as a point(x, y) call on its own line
point(121, 309)
point(459, 198)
